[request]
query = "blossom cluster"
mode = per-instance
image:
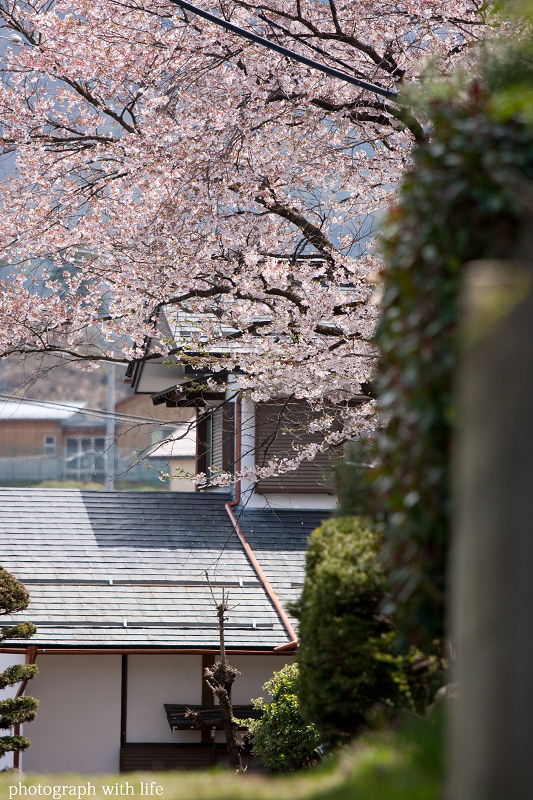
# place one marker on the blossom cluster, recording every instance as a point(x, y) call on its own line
point(164, 163)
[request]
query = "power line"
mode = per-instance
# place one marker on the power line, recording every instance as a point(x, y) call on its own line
point(91, 412)
point(309, 62)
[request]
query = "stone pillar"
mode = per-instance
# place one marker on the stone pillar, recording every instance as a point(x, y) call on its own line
point(492, 561)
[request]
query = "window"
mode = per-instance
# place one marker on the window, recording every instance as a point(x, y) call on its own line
point(49, 445)
point(216, 441)
point(279, 427)
point(85, 458)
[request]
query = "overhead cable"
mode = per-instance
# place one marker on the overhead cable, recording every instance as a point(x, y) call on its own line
point(309, 62)
point(90, 412)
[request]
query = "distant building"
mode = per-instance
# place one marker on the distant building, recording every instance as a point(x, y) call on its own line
point(43, 441)
point(46, 441)
point(139, 441)
point(179, 449)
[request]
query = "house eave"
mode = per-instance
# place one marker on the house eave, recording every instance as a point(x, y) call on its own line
point(184, 651)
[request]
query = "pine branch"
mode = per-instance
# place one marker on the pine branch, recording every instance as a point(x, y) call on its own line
point(16, 710)
point(10, 744)
point(16, 674)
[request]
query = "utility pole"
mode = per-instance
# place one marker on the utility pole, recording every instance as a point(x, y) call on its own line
point(110, 430)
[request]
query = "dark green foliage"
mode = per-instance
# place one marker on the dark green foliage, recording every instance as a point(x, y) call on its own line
point(9, 744)
point(461, 202)
point(23, 630)
point(15, 711)
point(351, 478)
point(281, 738)
point(424, 676)
point(13, 595)
point(17, 673)
point(348, 662)
point(404, 764)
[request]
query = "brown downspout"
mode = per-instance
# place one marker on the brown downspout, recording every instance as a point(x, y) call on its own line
point(248, 550)
point(31, 657)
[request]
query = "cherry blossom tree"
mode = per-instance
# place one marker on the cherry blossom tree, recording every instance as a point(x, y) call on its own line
point(162, 163)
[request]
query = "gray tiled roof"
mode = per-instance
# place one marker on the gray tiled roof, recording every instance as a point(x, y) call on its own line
point(127, 569)
point(279, 541)
point(20, 409)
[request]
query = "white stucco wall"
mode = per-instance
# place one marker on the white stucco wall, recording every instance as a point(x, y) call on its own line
point(154, 680)
point(256, 670)
point(9, 660)
point(293, 501)
point(159, 375)
point(77, 728)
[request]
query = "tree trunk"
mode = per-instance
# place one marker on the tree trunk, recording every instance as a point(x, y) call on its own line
point(492, 561)
point(230, 731)
point(220, 679)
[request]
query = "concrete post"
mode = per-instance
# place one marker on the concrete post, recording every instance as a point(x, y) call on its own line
point(492, 559)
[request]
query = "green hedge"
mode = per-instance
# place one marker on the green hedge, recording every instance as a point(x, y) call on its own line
point(405, 765)
point(349, 667)
point(462, 201)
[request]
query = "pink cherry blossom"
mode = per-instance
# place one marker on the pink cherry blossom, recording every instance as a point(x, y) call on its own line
point(162, 163)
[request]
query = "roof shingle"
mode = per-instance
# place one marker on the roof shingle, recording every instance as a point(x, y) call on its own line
point(127, 569)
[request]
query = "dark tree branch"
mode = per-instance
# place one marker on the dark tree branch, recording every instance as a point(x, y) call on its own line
point(220, 678)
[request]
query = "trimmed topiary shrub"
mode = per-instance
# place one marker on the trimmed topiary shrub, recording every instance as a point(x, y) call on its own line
point(281, 737)
point(15, 711)
point(347, 662)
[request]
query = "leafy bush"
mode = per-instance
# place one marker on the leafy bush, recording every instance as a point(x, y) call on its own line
point(281, 738)
point(348, 664)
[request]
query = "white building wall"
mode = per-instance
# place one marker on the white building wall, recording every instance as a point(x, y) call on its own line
point(179, 483)
point(9, 660)
point(256, 670)
point(293, 501)
point(77, 728)
point(158, 376)
point(154, 680)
